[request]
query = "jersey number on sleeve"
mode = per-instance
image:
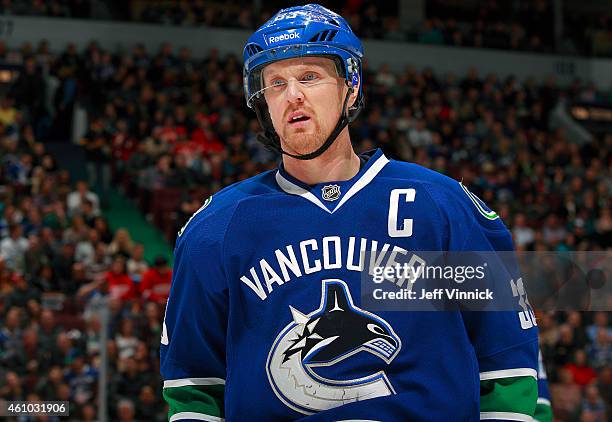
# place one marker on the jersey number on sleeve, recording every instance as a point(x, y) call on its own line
point(526, 316)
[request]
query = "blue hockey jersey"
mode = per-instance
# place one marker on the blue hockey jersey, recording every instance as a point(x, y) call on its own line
point(264, 318)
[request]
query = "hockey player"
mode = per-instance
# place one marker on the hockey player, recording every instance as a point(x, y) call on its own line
point(264, 319)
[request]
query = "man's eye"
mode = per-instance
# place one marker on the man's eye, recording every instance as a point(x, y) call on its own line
point(278, 83)
point(309, 77)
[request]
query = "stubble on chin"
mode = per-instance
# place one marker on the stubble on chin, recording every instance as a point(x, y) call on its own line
point(303, 142)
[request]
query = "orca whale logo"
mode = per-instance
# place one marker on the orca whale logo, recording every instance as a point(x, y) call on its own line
point(333, 332)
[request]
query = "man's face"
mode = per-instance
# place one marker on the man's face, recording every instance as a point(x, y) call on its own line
point(304, 97)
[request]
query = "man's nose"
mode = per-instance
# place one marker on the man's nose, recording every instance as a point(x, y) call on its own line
point(294, 91)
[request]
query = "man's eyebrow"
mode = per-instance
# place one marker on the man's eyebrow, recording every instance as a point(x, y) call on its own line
point(301, 68)
point(269, 76)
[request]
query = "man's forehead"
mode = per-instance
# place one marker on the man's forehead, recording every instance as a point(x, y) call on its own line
point(298, 63)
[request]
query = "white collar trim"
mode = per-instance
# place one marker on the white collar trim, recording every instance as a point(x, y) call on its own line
point(363, 181)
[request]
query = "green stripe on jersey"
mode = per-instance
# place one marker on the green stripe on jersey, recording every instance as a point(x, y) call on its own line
point(491, 215)
point(514, 395)
point(206, 399)
point(543, 413)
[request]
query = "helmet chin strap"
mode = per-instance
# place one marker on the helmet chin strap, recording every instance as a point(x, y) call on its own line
point(272, 141)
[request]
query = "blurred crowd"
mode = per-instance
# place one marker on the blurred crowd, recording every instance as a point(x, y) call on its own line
point(166, 121)
point(520, 25)
point(59, 265)
point(51, 8)
point(577, 351)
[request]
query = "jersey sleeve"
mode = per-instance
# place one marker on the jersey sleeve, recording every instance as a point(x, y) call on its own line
point(505, 341)
point(543, 412)
point(193, 345)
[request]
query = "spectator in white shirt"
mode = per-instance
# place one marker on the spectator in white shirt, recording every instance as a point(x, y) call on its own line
point(85, 249)
point(76, 198)
point(523, 235)
point(13, 248)
point(420, 136)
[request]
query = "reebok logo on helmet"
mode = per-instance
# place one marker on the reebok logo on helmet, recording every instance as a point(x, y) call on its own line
point(283, 37)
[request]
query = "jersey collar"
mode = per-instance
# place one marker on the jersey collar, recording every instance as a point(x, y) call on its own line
point(345, 190)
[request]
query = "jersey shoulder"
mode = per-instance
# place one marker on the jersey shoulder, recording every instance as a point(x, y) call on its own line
point(452, 197)
point(211, 220)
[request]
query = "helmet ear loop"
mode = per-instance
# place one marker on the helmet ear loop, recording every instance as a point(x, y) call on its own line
point(353, 110)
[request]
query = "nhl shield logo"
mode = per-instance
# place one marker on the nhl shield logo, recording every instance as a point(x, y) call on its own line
point(330, 192)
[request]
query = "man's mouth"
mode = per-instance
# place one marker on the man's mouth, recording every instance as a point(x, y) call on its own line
point(297, 117)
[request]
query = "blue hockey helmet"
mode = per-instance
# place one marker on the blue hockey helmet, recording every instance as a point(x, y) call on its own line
point(309, 30)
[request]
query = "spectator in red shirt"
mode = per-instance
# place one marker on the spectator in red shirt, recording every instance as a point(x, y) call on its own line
point(204, 136)
point(582, 373)
point(119, 283)
point(155, 283)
